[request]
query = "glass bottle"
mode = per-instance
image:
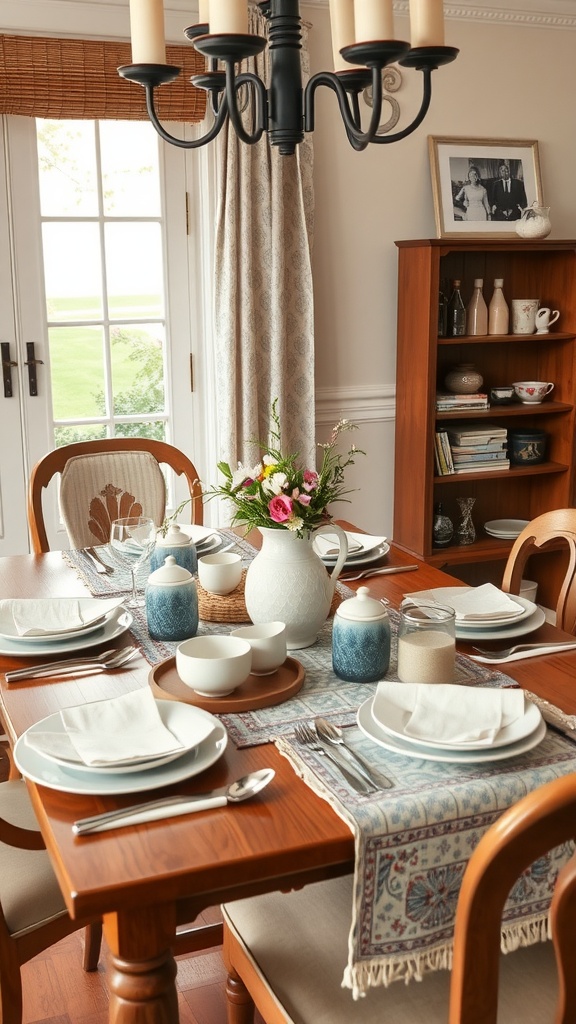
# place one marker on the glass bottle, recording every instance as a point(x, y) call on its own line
point(442, 528)
point(442, 314)
point(477, 311)
point(498, 314)
point(456, 320)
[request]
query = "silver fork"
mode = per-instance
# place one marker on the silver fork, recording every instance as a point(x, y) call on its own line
point(366, 573)
point(498, 655)
point(103, 662)
point(307, 737)
point(99, 564)
point(333, 734)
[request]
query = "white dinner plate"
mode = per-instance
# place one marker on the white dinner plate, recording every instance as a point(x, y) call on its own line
point(505, 529)
point(8, 629)
point(371, 728)
point(39, 769)
point(177, 717)
point(393, 720)
point(205, 538)
point(520, 627)
point(118, 623)
point(466, 625)
point(368, 545)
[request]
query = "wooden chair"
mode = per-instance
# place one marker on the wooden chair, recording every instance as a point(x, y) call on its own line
point(547, 530)
point(32, 911)
point(104, 480)
point(287, 953)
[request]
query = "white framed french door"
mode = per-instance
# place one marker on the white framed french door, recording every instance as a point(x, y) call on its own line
point(106, 282)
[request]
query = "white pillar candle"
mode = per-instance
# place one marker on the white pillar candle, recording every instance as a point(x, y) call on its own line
point(203, 12)
point(373, 19)
point(342, 28)
point(426, 23)
point(426, 657)
point(228, 17)
point(147, 31)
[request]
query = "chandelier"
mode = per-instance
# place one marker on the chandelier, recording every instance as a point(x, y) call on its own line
point(363, 45)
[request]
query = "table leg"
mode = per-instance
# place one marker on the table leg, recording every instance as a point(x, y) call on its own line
point(142, 977)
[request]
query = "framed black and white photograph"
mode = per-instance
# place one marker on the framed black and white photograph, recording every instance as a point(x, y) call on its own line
point(482, 186)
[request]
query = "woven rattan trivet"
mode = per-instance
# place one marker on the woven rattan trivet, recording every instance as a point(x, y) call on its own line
point(223, 607)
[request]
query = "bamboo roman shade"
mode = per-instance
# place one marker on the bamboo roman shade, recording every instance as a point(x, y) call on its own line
point(78, 78)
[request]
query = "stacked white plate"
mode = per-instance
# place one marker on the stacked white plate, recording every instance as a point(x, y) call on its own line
point(385, 723)
point(529, 617)
point(71, 775)
point(363, 549)
point(207, 540)
point(505, 529)
point(101, 630)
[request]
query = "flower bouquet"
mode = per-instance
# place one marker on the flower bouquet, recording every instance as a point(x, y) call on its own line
point(278, 493)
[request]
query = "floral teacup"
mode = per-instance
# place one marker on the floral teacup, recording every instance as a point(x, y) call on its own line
point(532, 391)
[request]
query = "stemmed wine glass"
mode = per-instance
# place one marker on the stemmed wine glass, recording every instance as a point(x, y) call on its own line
point(132, 540)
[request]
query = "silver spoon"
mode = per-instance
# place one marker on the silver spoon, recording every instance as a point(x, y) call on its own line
point(107, 660)
point(333, 734)
point(171, 806)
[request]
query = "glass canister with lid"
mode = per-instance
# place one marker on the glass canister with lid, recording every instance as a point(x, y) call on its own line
point(361, 639)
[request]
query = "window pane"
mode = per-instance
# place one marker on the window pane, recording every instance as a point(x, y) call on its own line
point(72, 271)
point(67, 168)
point(137, 357)
point(156, 431)
point(134, 271)
point(130, 175)
point(69, 435)
point(77, 367)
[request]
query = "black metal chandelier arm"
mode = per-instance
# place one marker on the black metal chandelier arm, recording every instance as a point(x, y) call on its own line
point(211, 134)
point(233, 84)
point(358, 139)
point(426, 98)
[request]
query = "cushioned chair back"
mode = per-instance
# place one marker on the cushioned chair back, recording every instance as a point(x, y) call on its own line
point(96, 489)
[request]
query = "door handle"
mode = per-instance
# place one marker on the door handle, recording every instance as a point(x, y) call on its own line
point(7, 365)
point(32, 363)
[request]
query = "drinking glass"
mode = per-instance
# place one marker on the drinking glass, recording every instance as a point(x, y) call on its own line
point(426, 643)
point(132, 540)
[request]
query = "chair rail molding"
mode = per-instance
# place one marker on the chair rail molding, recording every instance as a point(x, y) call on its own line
point(360, 404)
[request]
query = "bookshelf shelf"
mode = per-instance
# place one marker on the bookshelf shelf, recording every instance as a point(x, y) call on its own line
point(543, 269)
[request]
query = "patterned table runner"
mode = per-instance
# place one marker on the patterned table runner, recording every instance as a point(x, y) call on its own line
point(412, 845)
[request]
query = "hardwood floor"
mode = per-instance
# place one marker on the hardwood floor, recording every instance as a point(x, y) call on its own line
point(57, 991)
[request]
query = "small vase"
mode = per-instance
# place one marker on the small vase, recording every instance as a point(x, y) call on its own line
point(464, 379)
point(442, 528)
point(465, 531)
point(287, 582)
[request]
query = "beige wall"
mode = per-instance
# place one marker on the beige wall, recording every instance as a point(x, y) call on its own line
point(509, 81)
point(515, 78)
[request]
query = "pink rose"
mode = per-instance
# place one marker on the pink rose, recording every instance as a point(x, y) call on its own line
point(280, 508)
point(310, 479)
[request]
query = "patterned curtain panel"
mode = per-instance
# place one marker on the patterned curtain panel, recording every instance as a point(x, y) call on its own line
point(78, 78)
point(264, 322)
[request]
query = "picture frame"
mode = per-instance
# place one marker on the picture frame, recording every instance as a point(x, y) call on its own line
point(470, 199)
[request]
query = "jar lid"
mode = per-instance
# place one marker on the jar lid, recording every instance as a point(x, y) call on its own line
point(170, 573)
point(363, 607)
point(173, 538)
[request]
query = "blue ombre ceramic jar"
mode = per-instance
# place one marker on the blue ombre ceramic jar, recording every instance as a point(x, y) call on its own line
point(361, 639)
point(171, 602)
point(177, 544)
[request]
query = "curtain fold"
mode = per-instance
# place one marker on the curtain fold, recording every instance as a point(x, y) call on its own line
point(78, 78)
point(264, 314)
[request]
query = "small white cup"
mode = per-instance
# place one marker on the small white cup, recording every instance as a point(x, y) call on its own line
point(220, 573)
point(268, 643)
point(532, 392)
point(524, 315)
point(213, 666)
point(528, 589)
point(545, 317)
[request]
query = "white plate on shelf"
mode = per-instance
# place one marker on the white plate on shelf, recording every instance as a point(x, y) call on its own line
point(118, 623)
point(371, 729)
point(393, 720)
point(39, 769)
point(505, 529)
point(179, 718)
point(518, 628)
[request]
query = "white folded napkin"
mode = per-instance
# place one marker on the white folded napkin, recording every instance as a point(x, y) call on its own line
point(50, 616)
point(327, 544)
point(114, 732)
point(472, 603)
point(450, 713)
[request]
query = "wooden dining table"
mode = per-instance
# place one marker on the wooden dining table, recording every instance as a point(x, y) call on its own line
point(147, 879)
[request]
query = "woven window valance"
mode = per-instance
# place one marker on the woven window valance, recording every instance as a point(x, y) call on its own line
point(78, 78)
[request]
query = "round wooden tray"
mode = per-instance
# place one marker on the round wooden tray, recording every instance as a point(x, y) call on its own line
point(255, 692)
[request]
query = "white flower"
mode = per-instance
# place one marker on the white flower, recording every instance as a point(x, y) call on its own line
point(275, 483)
point(243, 473)
point(295, 524)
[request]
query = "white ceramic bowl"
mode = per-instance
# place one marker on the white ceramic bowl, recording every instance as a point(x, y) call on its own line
point(213, 666)
point(268, 643)
point(221, 572)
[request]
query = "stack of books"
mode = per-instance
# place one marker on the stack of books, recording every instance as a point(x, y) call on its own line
point(446, 402)
point(476, 448)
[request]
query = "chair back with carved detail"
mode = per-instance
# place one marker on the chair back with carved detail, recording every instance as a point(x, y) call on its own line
point(106, 480)
point(552, 530)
